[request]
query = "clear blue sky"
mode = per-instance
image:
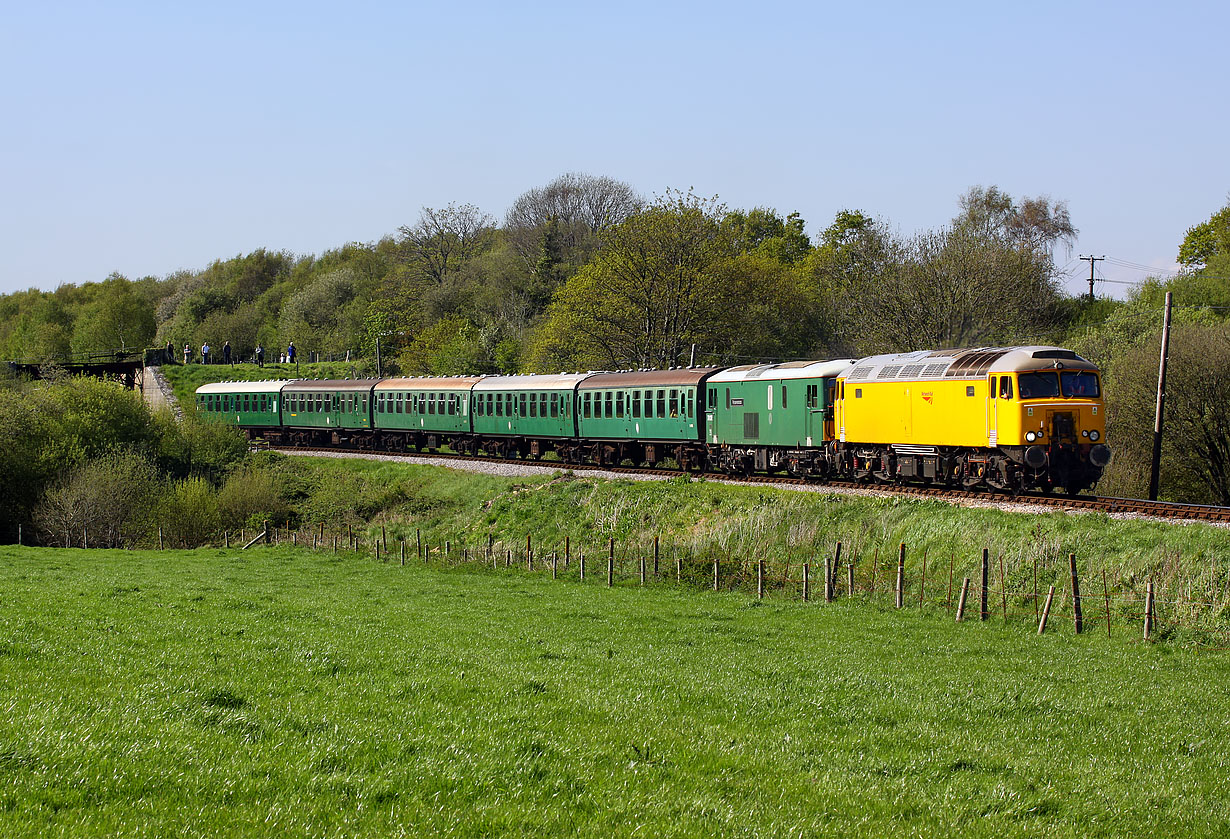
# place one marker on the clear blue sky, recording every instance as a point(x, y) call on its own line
point(146, 138)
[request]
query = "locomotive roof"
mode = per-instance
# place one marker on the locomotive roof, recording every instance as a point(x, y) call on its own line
point(315, 385)
point(787, 370)
point(686, 376)
point(429, 383)
point(557, 381)
point(270, 386)
point(965, 363)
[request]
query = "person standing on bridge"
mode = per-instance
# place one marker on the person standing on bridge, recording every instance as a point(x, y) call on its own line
point(187, 353)
point(226, 352)
point(205, 353)
point(260, 356)
point(170, 352)
point(290, 352)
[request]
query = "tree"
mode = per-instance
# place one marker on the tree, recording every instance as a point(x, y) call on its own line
point(118, 318)
point(578, 205)
point(450, 347)
point(1206, 240)
point(764, 231)
point(1196, 438)
point(1036, 225)
point(442, 240)
point(652, 290)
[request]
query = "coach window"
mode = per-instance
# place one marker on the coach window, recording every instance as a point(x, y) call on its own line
point(691, 403)
point(555, 404)
point(783, 396)
point(533, 405)
point(636, 404)
point(585, 402)
point(674, 406)
point(1005, 387)
point(524, 398)
point(728, 399)
point(619, 404)
point(660, 410)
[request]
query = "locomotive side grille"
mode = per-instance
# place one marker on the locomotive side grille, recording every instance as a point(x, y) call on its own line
point(751, 426)
point(934, 370)
point(890, 372)
point(859, 372)
point(911, 371)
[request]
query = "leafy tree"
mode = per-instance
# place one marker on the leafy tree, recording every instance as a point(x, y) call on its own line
point(1196, 438)
point(651, 291)
point(1206, 240)
point(106, 500)
point(450, 347)
point(577, 207)
point(117, 318)
point(763, 231)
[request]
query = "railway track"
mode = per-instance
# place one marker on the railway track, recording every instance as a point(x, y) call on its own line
point(1092, 503)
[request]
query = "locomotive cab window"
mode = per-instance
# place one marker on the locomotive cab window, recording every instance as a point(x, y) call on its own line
point(993, 389)
point(1005, 387)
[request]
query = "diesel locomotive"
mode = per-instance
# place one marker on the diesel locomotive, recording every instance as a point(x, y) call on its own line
point(1006, 418)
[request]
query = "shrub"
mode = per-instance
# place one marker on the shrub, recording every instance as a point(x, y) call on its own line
point(190, 514)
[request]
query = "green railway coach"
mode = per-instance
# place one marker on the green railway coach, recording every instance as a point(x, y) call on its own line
point(425, 412)
point(764, 416)
point(526, 415)
point(316, 410)
point(645, 416)
point(252, 406)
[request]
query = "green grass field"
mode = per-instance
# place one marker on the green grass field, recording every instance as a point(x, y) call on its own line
point(281, 692)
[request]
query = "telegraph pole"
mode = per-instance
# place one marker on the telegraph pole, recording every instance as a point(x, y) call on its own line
point(1093, 260)
point(1161, 402)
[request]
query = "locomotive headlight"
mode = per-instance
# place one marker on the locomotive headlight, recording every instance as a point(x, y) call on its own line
point(1094, 435)
point(1030, 436)
point(1085, 433)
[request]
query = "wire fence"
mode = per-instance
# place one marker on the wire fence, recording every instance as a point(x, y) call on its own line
point(1033, 587)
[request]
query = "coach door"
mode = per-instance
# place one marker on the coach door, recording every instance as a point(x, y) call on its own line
point(992, 412)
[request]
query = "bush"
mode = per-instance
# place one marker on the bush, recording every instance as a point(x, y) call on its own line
point(251, 495)
point(189, 515)
point(104, 503)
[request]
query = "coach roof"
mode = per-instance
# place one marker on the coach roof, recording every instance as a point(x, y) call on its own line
point(316, 385)
point(429, 383)
point(272, 386)
point(684, 376)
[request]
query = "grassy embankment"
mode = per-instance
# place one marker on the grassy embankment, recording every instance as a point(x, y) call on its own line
point(700, 521)
point(185, 379)
point(281, 692)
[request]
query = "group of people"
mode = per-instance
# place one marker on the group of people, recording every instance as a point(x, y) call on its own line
point(227, 356)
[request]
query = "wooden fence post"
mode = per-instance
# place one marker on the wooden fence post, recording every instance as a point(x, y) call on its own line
point(642, 570)
point(986, 579)
point(678, 567)
point(581, 561)
point(418, 541)
point(567, 550)
point(830, 572)
point(555, 565)
point(226, 539)
point(610, 568)
point(961, 601)
point(655, 555)
point(715, 574)
point(760, 579)
point(490, 545)
point(403, 551)
point(1046, 610)
point(849, 579)
point(377, 550)
point(159, 538)
point(806, 570)
point(1148, 609)
point(1077, 618)
point(901, 576)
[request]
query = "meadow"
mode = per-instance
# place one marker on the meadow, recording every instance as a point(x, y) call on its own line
point(289, 692)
